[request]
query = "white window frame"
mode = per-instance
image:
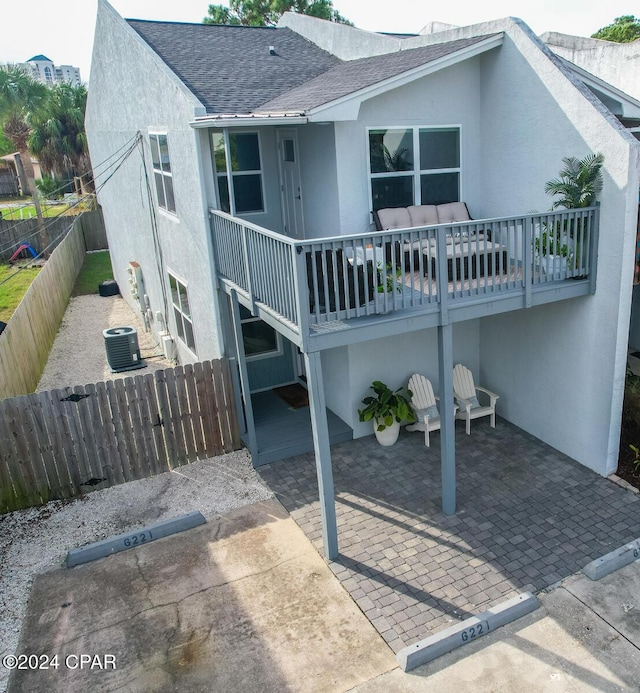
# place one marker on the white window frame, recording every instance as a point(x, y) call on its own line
point(274, 353)
point(179, 309)
point(416, 172)
point(164, 174)
point(229, 173)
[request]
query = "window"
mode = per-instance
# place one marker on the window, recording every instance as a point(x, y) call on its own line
point(182, 312)
point(238, 155)
point(260, 340)
point(410, 166)
point(162, 172)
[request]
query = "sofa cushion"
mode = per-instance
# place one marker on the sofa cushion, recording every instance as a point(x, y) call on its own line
point(452, 212)
point(394, 218)
point(423, 215)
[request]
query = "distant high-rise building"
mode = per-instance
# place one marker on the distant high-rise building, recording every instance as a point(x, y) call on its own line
point(43, 70)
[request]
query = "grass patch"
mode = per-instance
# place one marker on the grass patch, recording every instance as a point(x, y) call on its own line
point(12, 291)
point(95, 269)
point(29, 212)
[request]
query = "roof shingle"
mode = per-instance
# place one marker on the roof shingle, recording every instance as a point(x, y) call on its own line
point(229, 68)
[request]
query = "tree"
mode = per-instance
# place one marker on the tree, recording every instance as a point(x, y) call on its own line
point(268, 12)
point(623, 30)
point(20, 95)
point(57, 136)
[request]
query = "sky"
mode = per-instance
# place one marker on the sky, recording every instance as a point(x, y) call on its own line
point(63, 29)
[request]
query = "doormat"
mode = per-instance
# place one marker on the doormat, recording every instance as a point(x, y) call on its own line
point(294, 395)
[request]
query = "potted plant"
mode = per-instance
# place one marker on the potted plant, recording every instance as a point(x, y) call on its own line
point(387, 409)
point(578, 186)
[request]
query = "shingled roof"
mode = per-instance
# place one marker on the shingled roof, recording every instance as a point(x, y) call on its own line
point(229, 68)
point(350, 77)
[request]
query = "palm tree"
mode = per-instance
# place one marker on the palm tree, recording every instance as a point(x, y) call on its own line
point(20, 95)
point(58, 136)
point(579, 183)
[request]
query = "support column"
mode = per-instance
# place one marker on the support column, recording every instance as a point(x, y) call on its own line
point(447, 422)
point(244, 376)
point(323, 454)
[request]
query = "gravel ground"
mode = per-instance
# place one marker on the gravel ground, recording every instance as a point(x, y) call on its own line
point(36, 540)
point(78, 355)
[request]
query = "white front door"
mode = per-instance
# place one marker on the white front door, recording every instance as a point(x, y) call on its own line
point(290, 186)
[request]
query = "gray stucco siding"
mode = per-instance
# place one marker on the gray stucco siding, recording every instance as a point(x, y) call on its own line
point(124, 101)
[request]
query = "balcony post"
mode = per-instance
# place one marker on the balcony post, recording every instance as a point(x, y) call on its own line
point(301, 293)
point(594, 231)
point(447, 421)
point(528, 259)
point(244, 376)
point(322, 450)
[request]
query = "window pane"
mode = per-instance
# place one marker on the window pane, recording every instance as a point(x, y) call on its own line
point(160, 190)
point(245, 154)
point(188, 335)
point(173, 285)
point(439, 149)
point(155, 152)
point(439, 188)
point(390, 150)
point(219, 152)
point(288, 150)
point(248, 193)
point(223, 193)
point(164, 153)
point(179, 325)
point(258, 338)
point(245, 313)
point(168, 189)
point(184, 300)
point(394, 191)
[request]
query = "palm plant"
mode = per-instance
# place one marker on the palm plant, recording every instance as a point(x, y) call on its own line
point(58, 136)
point(579, 183)
point(20, 96)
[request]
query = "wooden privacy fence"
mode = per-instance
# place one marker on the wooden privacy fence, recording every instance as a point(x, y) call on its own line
point(27, 339)
point(15, 232)
point(57, 444)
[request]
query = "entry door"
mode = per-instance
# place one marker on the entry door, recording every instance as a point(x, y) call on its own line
point(290, 186)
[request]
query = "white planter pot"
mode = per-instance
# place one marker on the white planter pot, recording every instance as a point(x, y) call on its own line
point(554, 266)
point(389, 435)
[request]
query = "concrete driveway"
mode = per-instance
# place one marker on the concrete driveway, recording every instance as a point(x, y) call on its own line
point(243, 603)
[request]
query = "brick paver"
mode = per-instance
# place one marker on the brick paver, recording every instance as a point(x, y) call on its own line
point(527, 517)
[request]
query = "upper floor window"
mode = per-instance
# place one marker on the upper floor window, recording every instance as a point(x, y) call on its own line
point(410, 166)
point(238, 171)
point(260, 340)
point(182, 312)
point(162, 172)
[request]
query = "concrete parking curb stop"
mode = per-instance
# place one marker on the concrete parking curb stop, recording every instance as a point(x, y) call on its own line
point(130, 540)
point(466, 631)
point(612, 561)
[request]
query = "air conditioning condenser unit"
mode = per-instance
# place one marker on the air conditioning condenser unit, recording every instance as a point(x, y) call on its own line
point(123, 352)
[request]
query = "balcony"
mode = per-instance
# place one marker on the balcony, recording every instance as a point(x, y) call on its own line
point(327, 292)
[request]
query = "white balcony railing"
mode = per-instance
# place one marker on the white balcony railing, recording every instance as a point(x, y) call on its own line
point(310, 282)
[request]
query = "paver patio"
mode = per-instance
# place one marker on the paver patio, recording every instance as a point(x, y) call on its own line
point(528, 516)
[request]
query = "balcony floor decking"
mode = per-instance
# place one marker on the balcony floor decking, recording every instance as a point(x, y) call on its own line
point(283, 432)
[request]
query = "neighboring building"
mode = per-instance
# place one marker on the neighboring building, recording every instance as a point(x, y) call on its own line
point(43, 70)
point(269, 149)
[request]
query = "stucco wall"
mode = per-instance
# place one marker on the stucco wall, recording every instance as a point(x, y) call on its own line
point(393, 360)
point(616, 63)
point(123, 101)
point(559, 368)
point(319, 182)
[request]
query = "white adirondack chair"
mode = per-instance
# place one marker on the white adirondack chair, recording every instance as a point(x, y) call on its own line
point(425, 406)
point(466, 393)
